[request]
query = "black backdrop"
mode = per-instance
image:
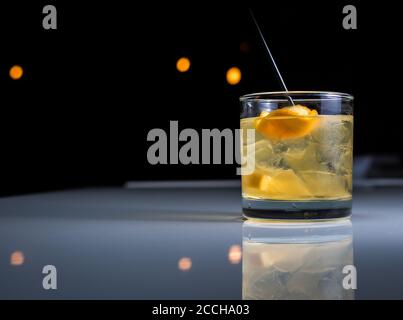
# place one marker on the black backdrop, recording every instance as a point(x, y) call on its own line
point(93, 88)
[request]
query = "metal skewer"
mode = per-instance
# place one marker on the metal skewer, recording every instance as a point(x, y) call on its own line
point(271, 57)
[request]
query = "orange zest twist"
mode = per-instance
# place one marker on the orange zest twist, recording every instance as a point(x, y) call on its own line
point(287, 123)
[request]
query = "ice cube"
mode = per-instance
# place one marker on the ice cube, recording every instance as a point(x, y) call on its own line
point(285, 257)
point(304, 284)
point(305, 159)
point(267, 284)
point(323, 184)
point(346, 132)
point(284, 184)
point(333, 131)
point(330, 285)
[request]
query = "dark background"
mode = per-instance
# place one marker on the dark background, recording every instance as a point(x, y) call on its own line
point(93, 89)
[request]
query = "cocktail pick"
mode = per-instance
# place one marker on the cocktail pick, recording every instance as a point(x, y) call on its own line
point(271, 57)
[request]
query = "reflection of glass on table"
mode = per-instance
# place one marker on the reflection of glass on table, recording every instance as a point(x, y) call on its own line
point(296, 261)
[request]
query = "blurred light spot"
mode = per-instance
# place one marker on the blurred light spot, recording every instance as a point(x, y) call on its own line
point(235, 254)
point(183, 64)
point(16, 72)
point(233, 75)
point(17, 258)
point(244, 47)
point(185, 264)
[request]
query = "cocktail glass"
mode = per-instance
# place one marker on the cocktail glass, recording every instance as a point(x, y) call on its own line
point(301, 155)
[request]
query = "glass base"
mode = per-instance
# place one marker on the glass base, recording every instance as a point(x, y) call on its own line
point(296, 210)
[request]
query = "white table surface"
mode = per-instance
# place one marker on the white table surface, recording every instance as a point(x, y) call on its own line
point(117, 243)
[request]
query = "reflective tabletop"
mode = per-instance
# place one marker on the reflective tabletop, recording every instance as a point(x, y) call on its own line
point(191, 242)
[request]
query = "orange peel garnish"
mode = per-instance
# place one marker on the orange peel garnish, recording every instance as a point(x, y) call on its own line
point(287, 123)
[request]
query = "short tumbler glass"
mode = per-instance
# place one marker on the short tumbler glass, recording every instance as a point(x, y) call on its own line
point(300, 150)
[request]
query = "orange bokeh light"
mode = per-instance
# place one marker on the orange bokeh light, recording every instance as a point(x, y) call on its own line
point(16, 72)
point(185, 264)
point(234, 75)
point(235, 254)
point(183, 64)
point(17, 258)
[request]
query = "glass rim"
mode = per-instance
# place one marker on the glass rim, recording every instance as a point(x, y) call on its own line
point(273, 96)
